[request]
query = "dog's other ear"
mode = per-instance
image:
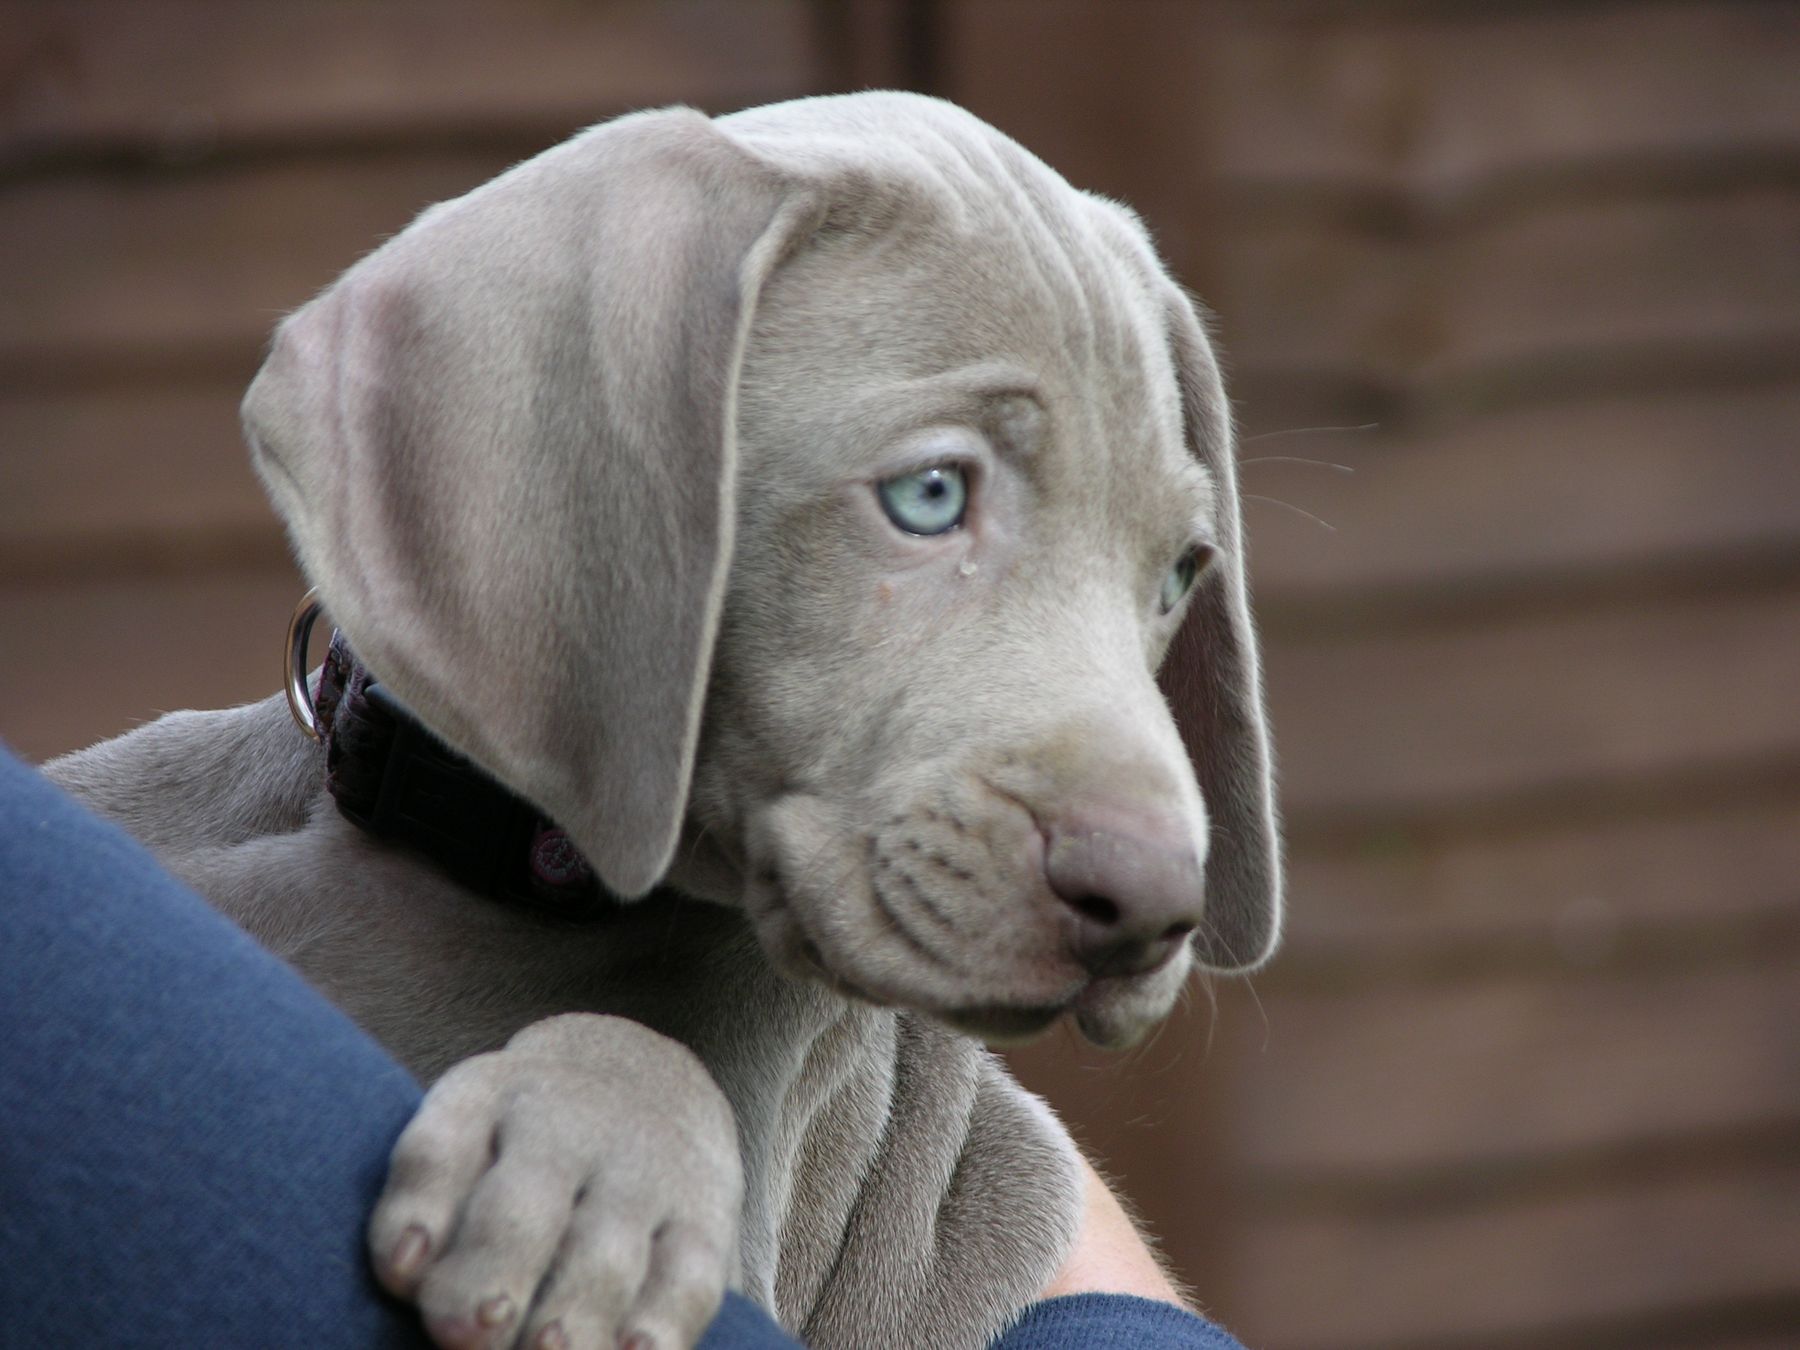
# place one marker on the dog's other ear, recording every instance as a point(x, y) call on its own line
point(1213, 680)
point(504, 446)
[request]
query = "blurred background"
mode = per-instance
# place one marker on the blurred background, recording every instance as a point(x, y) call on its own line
point(1510, 296)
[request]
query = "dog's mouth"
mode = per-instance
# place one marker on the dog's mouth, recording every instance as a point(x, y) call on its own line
point(1111, 1012)
point(961, 937)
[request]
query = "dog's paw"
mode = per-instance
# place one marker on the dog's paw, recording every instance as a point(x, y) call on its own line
point(579, 1188)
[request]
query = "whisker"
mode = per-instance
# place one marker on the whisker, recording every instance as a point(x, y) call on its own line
point(1296, 459)
point(1305, 431)
point(1297, 510)
point(1211, 989)
point(1261, 1012)
point(1141, 1051)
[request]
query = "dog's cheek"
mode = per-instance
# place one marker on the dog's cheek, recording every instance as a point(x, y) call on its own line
point(793, 851)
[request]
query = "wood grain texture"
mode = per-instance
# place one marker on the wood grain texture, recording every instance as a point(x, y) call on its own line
point(96, 479)
point(1580, 890)
point(1651, 1265)
point(1452, 103)
point(1403, 1084)
point(1460, 717)
point(145, 269)
point(1670, 479)
point(1574, 282)
point(91, 657)
point(181, 80)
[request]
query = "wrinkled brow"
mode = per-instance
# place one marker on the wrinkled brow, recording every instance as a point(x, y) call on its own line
point(1193, 499)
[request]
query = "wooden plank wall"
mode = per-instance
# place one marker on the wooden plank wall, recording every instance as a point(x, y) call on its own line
point(174, 176)
point(1527, 1073)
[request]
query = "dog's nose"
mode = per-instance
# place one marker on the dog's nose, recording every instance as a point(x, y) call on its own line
point(1135, 891)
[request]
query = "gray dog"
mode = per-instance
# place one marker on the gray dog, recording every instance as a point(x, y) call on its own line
point(795, 508)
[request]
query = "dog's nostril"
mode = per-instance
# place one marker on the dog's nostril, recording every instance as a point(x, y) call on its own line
point(1096, 907)
point(1177, 930)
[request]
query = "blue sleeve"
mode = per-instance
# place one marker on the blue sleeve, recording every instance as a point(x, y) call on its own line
point(1112, 1322)
point(191, 1139)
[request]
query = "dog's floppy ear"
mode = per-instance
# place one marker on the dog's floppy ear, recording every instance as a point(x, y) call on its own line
point(504, 446)
point(1213, 679)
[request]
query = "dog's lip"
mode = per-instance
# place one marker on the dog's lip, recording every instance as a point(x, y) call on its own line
point(1004, 1025)
point(1103, 1015)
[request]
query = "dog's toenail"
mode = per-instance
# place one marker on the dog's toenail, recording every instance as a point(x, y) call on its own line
point(495, 1312)
point(553, 1337)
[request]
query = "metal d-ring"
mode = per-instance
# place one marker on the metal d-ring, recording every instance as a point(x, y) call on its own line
point(299, 633)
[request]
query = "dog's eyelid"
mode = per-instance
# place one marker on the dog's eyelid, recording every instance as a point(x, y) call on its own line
point(1205, 554)
point(1016, 422)
point(938, 446)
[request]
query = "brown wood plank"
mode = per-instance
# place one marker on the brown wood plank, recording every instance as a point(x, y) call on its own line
point(86, 476)
point(1416, 110)
point(1590, 1269)
point(1389, 1084)
point(186, 77)
point(116, 266)
point(1571, 284)
point(1456, 100)
point(1608, 484)
point(875, 44)
point(1579, 892)
point(1034, 69)
point(1457, 717)
point(88, 658)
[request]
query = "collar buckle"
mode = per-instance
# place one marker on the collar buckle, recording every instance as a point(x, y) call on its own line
point(394, 779)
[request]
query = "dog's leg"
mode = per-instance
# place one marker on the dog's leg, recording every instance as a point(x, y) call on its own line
point(586, 1178)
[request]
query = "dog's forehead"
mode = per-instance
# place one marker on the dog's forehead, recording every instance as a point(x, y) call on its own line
point(951, 256)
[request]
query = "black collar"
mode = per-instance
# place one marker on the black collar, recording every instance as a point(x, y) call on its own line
point(399, 782)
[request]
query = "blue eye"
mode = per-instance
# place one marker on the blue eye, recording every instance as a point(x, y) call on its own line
point(926, 501)
point(1179, 579)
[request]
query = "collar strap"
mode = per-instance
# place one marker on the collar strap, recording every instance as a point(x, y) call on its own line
point(392, 777)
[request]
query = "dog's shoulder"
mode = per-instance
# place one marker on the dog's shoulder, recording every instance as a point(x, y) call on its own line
point(197, 779)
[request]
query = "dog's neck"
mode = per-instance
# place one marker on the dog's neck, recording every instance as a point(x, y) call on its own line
point(393, 778)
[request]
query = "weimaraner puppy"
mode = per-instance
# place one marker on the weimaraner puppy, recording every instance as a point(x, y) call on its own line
point(795, 507)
